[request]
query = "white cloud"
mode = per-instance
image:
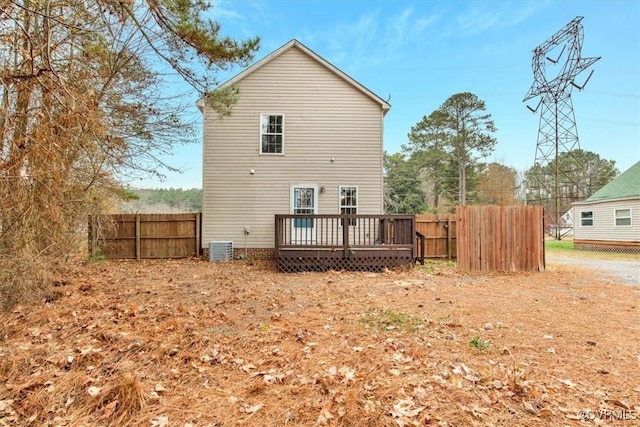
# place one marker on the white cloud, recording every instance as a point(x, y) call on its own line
point(375, 38)
point(223, 9)
point(487, 16)
point(356, 40)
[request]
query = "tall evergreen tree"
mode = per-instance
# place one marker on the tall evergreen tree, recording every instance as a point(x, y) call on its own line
point(470, 132)
point(427, 148)
point(453, 138)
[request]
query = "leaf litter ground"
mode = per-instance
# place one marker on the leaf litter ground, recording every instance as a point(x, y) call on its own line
point(192, 343)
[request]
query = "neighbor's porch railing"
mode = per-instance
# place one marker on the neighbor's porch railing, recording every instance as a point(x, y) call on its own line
point(344, 231)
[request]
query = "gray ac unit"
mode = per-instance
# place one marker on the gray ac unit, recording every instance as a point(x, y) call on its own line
point(220, 251)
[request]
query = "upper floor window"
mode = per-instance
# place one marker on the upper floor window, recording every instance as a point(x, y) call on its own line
point(271, 134)
point(349, 202)
point(623, 217)
point(586, 218)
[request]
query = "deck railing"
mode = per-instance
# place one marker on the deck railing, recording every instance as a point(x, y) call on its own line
point(344, 231)
point(352, 242)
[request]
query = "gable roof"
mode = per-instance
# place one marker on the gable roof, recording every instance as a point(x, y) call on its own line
point(296, 44)
point(624, 186)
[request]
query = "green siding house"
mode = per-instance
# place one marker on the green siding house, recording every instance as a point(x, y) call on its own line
point(609, 220)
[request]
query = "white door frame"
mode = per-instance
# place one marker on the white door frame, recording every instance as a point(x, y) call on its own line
point(303, 234)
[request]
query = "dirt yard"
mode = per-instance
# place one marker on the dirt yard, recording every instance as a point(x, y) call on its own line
point(192, 343)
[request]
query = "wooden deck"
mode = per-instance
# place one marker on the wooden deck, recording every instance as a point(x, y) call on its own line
point(344, 242)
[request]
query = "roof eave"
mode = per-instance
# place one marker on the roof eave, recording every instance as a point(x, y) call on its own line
point(616, 199)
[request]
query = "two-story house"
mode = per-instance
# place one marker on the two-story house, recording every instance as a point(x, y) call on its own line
point(302, 138)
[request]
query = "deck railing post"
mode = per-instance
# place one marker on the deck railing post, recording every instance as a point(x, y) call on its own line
point(345, 235)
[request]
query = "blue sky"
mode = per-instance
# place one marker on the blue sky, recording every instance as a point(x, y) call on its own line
point(421, 52)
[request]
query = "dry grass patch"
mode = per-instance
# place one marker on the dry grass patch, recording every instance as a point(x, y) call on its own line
point(218, 344)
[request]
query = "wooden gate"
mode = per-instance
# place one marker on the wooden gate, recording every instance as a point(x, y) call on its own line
point(439, 231)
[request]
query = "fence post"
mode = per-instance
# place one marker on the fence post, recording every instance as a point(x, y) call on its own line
point(138, 237)
point(449, 237)
point(198, 236)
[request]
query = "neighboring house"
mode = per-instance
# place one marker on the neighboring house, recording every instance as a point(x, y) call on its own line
point(302, 138)
point(610, 219)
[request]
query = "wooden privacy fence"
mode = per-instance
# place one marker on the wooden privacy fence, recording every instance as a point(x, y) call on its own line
point(140, 236)
point(500, 238)
point(482, 238)
point(439, 231)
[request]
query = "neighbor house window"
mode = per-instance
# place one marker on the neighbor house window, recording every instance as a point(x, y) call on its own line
point(349, 202)
point(623, 217)
point(271, 134)
point(586, 219)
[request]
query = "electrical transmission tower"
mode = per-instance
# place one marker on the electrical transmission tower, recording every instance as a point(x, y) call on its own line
point(556, 63)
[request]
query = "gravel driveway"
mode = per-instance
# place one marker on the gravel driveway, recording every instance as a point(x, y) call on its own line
point(627, 272)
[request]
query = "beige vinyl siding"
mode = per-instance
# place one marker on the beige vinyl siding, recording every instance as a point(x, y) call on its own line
point(604, 221)
point(325, 118)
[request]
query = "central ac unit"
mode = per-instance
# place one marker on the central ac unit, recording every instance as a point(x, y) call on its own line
point(220, 251)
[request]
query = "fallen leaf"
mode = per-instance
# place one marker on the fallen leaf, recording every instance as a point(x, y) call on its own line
point(252, 409)
point(324, 417)
point(484, 398)
point(160, 421)
point(529, 408)
point(479, 412)
point(619, 403)
point(456, 380)
point(545, 412)
point(109, 410)
point(6, 405)
point(568, 383)
point(405, 408)
point(347, 373)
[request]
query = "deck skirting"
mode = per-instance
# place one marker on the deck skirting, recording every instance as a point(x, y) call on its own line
point(607, 246)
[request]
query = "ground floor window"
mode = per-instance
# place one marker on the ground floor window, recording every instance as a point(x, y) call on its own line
point(586, 218)
point(623, 217)
point(349, 202)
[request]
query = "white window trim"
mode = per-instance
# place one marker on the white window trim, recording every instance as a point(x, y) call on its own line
point(616, 218)
point(260, 134)
point(357, 205)
point(592, 219)
point(315, 196)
